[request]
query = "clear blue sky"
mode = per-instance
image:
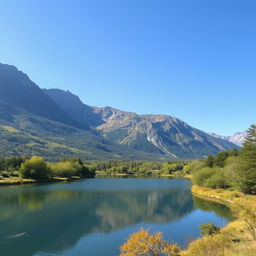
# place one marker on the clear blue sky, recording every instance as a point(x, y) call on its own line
point(193, 59)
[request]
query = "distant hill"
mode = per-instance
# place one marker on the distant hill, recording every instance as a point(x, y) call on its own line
point(57, 124)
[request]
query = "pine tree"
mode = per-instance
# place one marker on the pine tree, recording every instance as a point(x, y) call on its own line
point(209, 161)
point(247, 163)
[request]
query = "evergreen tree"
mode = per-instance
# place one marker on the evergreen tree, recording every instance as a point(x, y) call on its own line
point(247, 163)
point(220, 159)
point(234, 152)
point(209, 161)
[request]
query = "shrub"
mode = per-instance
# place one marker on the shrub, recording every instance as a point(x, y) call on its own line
point(144, 244)
point(209, 229)
point(200, 177)
point(66, 169)
point(214, 245)
point(246, 210)
point(35, 168)
point(210, 177)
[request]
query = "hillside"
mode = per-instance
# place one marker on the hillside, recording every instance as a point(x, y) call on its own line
point(57, 124)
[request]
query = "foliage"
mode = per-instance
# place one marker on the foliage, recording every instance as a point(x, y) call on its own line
point(193, 166)
point(209, 229)
point(71, 167)
point(65, 169)
point(209, 161)
point(247, 163)
point(220, 158)
point(143, 243)
point(139, 167)
point(214, 245)
point(35, 168)
point(246, 210)
point(10, 166)
point(210, 177)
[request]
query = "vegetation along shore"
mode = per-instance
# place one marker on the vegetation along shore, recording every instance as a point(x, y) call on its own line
point(228, 178)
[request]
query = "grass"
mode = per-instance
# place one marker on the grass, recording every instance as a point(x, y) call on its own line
point(241, 243)
point(18, 181)
point(15, 181)
point(10, 129)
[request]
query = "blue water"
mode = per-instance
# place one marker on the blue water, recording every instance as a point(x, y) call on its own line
point(95, 216)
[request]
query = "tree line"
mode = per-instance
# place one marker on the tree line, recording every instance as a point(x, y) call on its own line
point(235, 170)
point(37, 168)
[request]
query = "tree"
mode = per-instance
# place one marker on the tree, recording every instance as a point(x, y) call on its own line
point(35, 168)
point(220, 158)
point(247, 163)
point(234, 152)
point(209, 161)
point(143, 243)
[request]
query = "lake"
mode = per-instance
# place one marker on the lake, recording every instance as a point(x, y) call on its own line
point(95, 216)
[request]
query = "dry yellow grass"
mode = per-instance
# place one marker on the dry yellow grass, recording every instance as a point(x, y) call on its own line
point(15, 181)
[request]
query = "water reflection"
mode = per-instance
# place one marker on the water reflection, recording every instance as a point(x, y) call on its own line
point(54, 217)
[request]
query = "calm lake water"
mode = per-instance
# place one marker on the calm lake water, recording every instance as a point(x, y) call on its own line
point(93, 217)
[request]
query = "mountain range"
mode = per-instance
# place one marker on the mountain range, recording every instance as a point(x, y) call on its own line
point(238, 138)
point(57, 124)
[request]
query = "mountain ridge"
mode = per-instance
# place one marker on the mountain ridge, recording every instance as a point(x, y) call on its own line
point(238, 138)
point(110, 132)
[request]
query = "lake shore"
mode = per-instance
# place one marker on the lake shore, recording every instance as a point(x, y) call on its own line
point(21, 181)
point(236, 231)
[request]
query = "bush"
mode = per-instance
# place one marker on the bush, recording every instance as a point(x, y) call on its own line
point(214, 245)
point(193, 166)
point(200, 177)
point(246, 210)
point(35, 168)
point(210, 177)
point(209, 229)
point(144, 244)
point(66, 169)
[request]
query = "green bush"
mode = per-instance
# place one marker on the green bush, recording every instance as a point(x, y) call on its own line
point(66, 169)
point(209, 229)
point(210, 177)
point(201, 176)
point(35, 168)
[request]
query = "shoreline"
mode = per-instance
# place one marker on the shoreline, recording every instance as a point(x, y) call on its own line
point(21, 181)
point(236, 230)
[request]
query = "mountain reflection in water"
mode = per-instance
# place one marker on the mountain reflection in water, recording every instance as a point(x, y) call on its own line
point(54, 217)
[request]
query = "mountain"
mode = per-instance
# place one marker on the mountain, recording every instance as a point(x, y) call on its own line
point(238, 138)
point(16, 89)
point(159, 134)
point(57, 124)
point(74, 107)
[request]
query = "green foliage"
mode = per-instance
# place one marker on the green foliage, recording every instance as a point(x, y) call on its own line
point(193, 166)
point(220, 158)
point(209, 161)
point(35, 168)
point(247, 163)
point(10, 166)
point(210, 177)
point(65, 169)
point(71, 167)
point(139, 167)
point(209, 229)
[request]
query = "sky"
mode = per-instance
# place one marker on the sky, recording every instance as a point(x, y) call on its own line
point(191, 59)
